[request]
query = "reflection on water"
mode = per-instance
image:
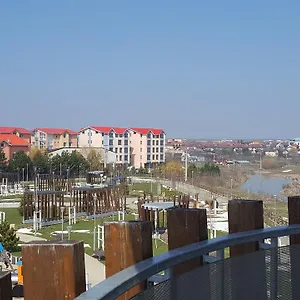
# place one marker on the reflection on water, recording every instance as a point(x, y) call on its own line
point(266, 185)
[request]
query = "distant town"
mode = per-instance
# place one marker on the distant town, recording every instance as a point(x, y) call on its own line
point(143, 147)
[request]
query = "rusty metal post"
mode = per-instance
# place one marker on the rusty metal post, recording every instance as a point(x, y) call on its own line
point(127, 243)
point(53, 270)
point(245, 215)
point(186, 226)
point(5, 286)
point(294, 218)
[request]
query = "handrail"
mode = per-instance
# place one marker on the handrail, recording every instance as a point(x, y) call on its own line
point(119, 283)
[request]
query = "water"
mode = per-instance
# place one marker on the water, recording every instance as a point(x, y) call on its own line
point(266, 185)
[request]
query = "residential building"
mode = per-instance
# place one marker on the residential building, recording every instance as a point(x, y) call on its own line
point(114, 139)
point(53, 138)
point(109, 157)
point(18, 131)
point(147, 147)
point(11, 143)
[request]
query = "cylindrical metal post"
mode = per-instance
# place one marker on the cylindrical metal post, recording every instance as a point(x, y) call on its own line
point(127, 243)
point(51, 259)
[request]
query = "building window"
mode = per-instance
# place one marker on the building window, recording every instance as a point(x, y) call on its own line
point(161, 135)
point(116, 135)
point(21, 135)
point(119, 142)
point(102, 142)
point(157, 143)
point(120, 150)
point(121, 157)
point(111, 149)
point(157, 136)
point(148, 142)
point(126, 150)
point(153, 149)
point(126, 134)
point(141, 156)
point(120, 135)
point(148, 157)
point(2, 145)
point(153, 143)
point(153, 157)
point(116, 150)
point(141, 142)
point(156, 156)
point(149, 135)
point(161, 149)
point(65, 144)
point(161, 157)
point(162, 142)
point(126, 142)
point(126, 157)
point(70, 144)
point(111, 134)
point(111, 142)
point(157, 149)
point(148, 150)
point(141, 149)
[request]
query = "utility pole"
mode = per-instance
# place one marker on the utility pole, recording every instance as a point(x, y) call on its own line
point(95, 197)
point(260, 161)
point(186, 166)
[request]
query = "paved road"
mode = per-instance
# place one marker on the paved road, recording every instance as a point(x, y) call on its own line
point(95, 270)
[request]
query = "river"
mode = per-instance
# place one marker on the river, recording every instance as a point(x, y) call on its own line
point(266, 185)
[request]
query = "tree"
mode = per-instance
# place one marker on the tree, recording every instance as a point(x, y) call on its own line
point(3, 161)
point(19, 161)
point(40, 160)
point(8, 237)
point(95, 160)
point(210, 169)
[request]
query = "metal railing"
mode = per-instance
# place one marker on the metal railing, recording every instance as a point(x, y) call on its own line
point(119, 283)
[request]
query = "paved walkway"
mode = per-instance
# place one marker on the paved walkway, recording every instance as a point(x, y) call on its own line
point(94, 269)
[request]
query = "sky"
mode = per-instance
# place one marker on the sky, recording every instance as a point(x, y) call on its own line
point(197, 69)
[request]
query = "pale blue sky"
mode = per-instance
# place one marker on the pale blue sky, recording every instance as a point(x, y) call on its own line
point(195, 68)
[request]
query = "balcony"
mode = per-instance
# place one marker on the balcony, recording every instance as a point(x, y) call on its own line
point(255, 267)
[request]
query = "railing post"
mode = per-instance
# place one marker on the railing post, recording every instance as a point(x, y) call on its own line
point(5, 286)
point(53, 270)
point(294, 218)
point(246, 215)
point(186, 226)
point(127, 243)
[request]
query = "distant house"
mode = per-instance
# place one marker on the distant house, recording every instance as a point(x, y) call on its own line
point(18, 131)
point(53, 138)
point(11, 143)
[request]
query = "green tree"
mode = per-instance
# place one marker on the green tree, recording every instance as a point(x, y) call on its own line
point(20, 161)
point(3, 161)
point(210, 169)
point(8, 237)
point(40, 160)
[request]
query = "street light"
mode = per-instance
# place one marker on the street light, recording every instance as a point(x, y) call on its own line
point(62, 209)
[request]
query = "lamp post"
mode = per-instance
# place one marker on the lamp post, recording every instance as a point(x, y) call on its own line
point(27, 176)
point(62, 209)
point(23, 175)
point(95, 198)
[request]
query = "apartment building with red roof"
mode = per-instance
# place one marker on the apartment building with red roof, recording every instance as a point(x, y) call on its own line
point(53, 138)
point(18, 131)
point(139, 147)
point(11, 143)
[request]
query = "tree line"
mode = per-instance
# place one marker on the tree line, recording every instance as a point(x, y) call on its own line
point(42, 162)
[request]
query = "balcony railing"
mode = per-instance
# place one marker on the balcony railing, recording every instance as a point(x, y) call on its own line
point(267, 274)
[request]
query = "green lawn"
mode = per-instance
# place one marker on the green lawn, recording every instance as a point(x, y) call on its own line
point(12, 216)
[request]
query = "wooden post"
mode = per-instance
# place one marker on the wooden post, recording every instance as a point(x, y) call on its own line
point(127, 243)
point(245, 215)
point(5, 286)
point(294, 218)
point(53, 270)
point(186, 226)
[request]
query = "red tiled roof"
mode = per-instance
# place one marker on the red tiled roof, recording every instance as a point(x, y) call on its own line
point(146, 130)
point(106, 129)
point(8, 130)
point(13, 140)
point(56, 130)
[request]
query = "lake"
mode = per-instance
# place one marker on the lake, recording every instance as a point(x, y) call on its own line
point(266, 185)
